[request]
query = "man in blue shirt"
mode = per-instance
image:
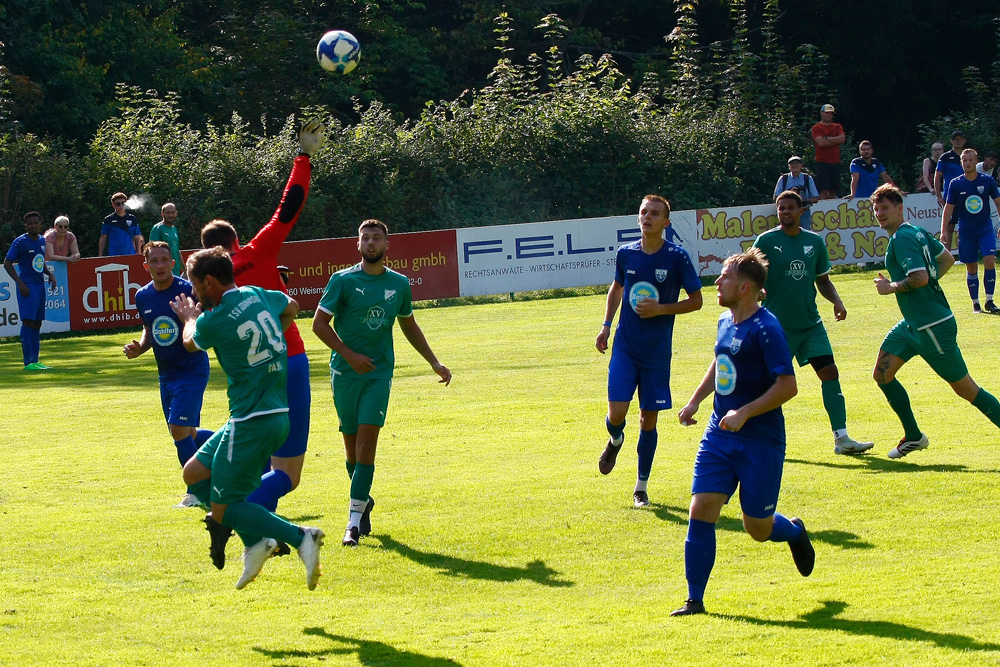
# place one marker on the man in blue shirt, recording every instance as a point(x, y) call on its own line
point(28, 250)
point(183, 374)
point(651, 272)
point(120, 232)
point(744, 445)
point(968, 200)
point(866, 171)
point(949, 167)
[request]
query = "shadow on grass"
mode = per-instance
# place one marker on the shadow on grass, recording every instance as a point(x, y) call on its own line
point(536, 570)
point(369, 653)
point(880, 465)
point(836, 538)
point(825, 618)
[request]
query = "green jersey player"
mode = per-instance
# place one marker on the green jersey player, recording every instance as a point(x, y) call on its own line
point(799, 265)
point(244, 325)
point(916, 261)
point(354, 319)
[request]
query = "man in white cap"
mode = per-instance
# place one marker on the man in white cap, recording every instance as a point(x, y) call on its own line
point(827, 136)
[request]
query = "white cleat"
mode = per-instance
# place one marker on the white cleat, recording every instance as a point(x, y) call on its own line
point(189, 500)
point(906, 446)
point(253, 560)
point(312, 540)
point(846, 445)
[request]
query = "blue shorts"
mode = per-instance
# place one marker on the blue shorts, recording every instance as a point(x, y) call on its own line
point(181, 399)
point(299, 404)
point(624, 377)
point(973, 243)
point(724, 462)
point(32, 307)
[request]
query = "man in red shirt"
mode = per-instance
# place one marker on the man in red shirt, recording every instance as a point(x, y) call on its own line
point(256, 263)
point(827, 137)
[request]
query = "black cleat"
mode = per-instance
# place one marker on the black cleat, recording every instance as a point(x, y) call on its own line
point(991, 308)
point(976, 308)
point(640, 498)
point(607, 461)
point(282, 550)
point(219, 535)
point(351, 537)
point(365, 527)
point(802, 550)
point(690, 608)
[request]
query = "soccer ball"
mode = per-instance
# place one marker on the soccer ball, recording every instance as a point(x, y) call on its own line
point(338, 52)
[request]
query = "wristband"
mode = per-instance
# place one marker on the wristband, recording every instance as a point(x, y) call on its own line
point(607, 324)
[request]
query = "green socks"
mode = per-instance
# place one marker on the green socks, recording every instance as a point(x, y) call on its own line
point(899, 401)
point(988, 405)
point(252, 521)
point(833, 401)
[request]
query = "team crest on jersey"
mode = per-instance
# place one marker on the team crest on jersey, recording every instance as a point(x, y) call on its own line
point(974, 204)
point(165, 331)
point(808, 250)
point(642, 291)
point(797, 269)
point(661, 275)
point(980, 189)
point(375, 318)
point(390, 295)
point(725, 375)
point(38, 263)
point(735, 344)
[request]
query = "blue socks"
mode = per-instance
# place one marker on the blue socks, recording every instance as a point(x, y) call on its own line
point(615, 431)
point(699, 557)
point(203, 435)
point(972, 281)
point(784, 530)
point(989, 282)
point(186, 448)
point(646, 450)
point(273, 486)
point(31, 343)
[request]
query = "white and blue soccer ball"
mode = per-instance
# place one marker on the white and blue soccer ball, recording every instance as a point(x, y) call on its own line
point(338, 51)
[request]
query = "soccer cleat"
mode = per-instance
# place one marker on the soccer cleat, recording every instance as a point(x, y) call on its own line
point(189, 500)
point(31, 367)
point(689, 608)
point(906, 446)
point(220, 535)
point(640, 498)
point(991, 307)
point(802, 550)
point(365, 527)
point(846, 445)
point(312, 540)
point(42, 367)
point(351, 536)
point(976, 308)
point(253, 560)
point(607, 462)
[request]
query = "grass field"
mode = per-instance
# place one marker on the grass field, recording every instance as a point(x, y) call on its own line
point(496, 541)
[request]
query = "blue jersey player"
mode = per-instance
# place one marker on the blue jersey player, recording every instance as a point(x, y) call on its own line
point(968, 201)
point(743, 447)
point(651, 272)
point(28, 250)
point(183, 374)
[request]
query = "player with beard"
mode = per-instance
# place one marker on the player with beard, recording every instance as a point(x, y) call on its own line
point(354, 319)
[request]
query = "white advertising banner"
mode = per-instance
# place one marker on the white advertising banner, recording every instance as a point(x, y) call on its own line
point(56, 304)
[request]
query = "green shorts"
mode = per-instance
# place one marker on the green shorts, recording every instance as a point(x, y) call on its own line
point(936, 344)
point(237, 453)
point(360, 401)
point(809, 343)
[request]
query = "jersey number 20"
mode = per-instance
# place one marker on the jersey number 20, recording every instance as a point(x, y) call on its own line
point(258, 354)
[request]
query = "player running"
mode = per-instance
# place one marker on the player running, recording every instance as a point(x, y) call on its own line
point(244, 326)
point(968, 196)
point(744, 445)
point(256, 263)
point(652, 272)
point(354, 319)
point(916, 261)
point(798, 266)
point(183, 374)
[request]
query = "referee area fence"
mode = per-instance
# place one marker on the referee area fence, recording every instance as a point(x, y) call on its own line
point(99, 292)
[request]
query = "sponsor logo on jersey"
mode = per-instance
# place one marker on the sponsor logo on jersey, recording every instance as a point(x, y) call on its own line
point(165, 331)
point(974, 204)
point(661, 275)
point(390, 295)
point(797, 269)
point(642, 291)
point(375, 318)
point(725, 375)
point(38, 263)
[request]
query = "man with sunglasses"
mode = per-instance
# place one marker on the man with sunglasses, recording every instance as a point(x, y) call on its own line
point(120, 233)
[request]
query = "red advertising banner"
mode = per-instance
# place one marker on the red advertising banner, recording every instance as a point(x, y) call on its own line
point(102, 292)
point(428, 259)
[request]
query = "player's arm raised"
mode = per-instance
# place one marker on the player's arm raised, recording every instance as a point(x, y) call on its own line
point(705, 389)
point(188, 311)
point(611, 307)
point(415, 335)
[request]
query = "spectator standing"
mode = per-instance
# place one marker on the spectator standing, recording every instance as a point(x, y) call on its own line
point(120, 233)
point(926, 181)
point(866, 171)
point(60, 243)
point(798, 181)
point(990, 166)
point(166, 231)
point(827, 136)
